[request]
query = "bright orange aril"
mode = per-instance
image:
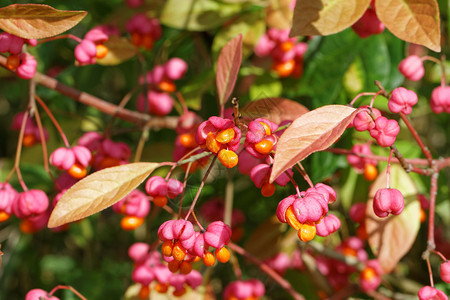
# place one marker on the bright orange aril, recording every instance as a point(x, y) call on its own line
point(287, 46)
point(180, 292)
point(167, 86)
point(307, 232)
point(284, 69)
point(178, 252)
point(136, 39)
point(209, 259)
point(26, 226)
point(187, 140)
point(161, 287)
point(28, 140)
point(166, 248)
point(144, 292)
point(108, 162)
point(368, 273)
point(77, 171)
point(266, 128)
point(131, 222)
point(223, 255)
point(264, 147)
point(212, 144)
point(347, 251)
point(225, 136)
point(423, 215)
point(4, 216)
point(147, 41)
point(13, 62)
point(291, 219)
point(228, 158)
point(370, 172)
point(174, 266)
point(102, 51)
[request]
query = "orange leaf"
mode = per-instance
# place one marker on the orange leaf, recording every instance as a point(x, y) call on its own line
point(392, 237)
point(37, 21)
point(414, 21)
point(314, 131)
point(273, 109)
point(98, 191)
point(228, 66)
point(325, 17)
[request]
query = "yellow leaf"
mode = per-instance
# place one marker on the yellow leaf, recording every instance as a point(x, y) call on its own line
point(98, 191)
point(414, 21)
point(325, 17)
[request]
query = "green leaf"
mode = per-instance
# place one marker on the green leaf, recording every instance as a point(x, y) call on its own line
point(197, 15)
point(266, 86)
point(323, 73)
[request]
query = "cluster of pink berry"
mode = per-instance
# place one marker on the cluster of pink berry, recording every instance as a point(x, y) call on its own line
point(368, 24)
point(308, 211)
point(30, 205)
point(92, 46)
point(23, 63)
point(31, 133)
point(412, 68)
point(182, 245)
point(161, 83)
point(149, 270)
point(39, 294)
point(144, 31)
point(383, 130)
point(74, 160)
point(159, 189)
point(244, 290)
point(105, 152)
point(431, 293)
point(286, 53)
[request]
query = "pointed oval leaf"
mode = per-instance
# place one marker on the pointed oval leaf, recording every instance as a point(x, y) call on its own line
point(37, 21)
point(392, 237)
point(98, 191)
point(314, 131)
point(273, 109)
point(414, 21)
point(325, 17)
point(228, 65)
point(119, 50)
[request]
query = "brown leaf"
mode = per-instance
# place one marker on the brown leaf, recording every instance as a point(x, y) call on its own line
point(392, 237)
point(98, 191)
point(119, 50)
point(37, 21)
point(265, 240)
point(414, 21)
point(273, 109)
point(314, 131)
point(325, 17)
point(279, 14)
point(228, 66)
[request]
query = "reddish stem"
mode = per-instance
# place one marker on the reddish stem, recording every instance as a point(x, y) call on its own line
point(305, 175)
point(416, 136)
point(373, 98)
point(388, 170)
point(431, 212)
point(430, 271)
point(200, 187)
point(67, 287)
point(439, 254)
point(360, 95)
point(49, 113)
point(268, 270)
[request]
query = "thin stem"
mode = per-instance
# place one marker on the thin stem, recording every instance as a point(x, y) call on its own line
point(184, 187)
point(439, 62)
point(430, 271)
point(200, 187)
point(236, 267)
point(60, 37)
point(140, 147)
point(49, 113)
point(416, 136)
point(198, 223)
point(360, 95)
point(439, 254)
point(431, 211)
point(373, 98)
point(305, 175)
point(67, 287)
point(293, 183)
point(43, 143)
point(268, 270)
point(388, 170)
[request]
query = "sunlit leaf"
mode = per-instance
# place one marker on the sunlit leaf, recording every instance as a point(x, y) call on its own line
point(273, 109)
point(197, 15)
point(325, 17)
point(228, 66)
point(37, 21)
point(99, 191)
point(314, 131)
point(392, 237)
point(279, 14)
point(119, 50)
point(414, 21)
